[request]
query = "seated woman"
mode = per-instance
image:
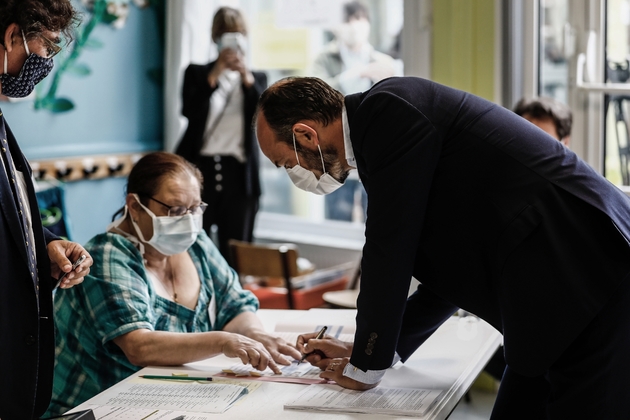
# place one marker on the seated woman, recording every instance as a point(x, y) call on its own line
point(156, 278)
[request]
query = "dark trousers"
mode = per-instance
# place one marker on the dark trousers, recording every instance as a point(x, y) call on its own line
point(588, 381)
point(230, 209)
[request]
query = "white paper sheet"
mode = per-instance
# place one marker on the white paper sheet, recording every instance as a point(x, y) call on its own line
point(191, 397)
point(392, 401)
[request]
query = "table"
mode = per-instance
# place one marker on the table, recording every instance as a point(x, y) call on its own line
point(450, 360)
point(342, 298)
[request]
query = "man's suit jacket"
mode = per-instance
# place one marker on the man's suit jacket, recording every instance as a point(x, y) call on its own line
point(27, 346)
point(489, 213)
point(196, 106)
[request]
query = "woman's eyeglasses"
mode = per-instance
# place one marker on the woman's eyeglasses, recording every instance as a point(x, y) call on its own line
point(175, 211)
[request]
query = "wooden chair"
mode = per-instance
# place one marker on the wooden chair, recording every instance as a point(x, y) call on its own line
point(278, 261)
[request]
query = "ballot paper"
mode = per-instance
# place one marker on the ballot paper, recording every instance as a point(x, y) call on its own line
point(190, 397)
point(295, 373)
point(386, 401)
point(145, 411)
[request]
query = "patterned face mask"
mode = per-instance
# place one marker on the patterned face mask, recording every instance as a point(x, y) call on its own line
point(33, 71)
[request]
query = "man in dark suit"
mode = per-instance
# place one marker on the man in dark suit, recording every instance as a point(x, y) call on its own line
point(31, 257)
point(490, 214)
point(219, 100)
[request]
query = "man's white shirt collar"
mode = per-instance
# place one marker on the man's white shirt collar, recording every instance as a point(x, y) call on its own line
point(347, 144)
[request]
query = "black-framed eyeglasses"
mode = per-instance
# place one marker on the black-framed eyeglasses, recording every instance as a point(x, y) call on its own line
point(52, 49)
point(176, 211)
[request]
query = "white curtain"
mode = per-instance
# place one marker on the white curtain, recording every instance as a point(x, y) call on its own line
point(188, 24)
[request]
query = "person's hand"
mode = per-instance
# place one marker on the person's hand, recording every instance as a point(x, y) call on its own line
point(334, 372)
point(277, 347)
point(321, 351)
point(249, 351)
point(377, 71)
point(62, 254)
point(230, 59)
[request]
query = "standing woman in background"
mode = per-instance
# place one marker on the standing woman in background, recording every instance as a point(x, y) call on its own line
point(219, 100)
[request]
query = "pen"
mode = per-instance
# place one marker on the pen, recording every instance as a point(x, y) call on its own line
point(320, 334)
point(177, 378)
point(179, 418)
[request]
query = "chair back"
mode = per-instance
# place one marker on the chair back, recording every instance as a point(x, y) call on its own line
point(266, 260)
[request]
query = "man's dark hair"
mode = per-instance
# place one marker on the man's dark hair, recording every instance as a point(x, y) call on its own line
point(36, 16)
point(544, 107)
point(295, 99)
point(356, 10)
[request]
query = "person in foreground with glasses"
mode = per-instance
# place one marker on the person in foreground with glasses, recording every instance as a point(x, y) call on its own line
point(156, 277)
point(32, 258)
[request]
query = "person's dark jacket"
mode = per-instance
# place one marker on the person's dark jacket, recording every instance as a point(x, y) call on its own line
point(489, 213)
point(27, 345)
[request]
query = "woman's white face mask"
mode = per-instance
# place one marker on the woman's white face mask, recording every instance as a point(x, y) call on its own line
point(307, 181)
point(171, 235)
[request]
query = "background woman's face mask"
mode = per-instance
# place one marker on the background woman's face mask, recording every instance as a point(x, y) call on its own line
point(307, 181)
point(33, 71)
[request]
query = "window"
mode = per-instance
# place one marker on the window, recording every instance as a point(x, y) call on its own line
point(286, 39)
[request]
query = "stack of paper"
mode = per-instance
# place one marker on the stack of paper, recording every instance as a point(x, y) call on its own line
point(194, 397)
point(388, 401)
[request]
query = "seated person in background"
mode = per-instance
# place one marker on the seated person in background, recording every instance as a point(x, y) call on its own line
point(157, 278)
point(548, 114)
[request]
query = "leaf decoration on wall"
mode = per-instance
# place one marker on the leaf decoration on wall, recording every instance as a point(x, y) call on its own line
point(110, 12)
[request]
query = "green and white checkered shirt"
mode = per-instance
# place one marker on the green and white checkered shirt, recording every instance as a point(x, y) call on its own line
point(117, 297)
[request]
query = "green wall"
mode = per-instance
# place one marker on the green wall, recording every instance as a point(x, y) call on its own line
point(463, 45)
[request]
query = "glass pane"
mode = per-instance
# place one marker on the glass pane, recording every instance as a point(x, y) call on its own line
point(320, 38)
point(617, 106)
point(554, 72)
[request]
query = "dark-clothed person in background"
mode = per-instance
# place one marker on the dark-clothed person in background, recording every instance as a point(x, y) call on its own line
point(550, 115)
point(219, 100)
point(490, 214)
point(31, 257)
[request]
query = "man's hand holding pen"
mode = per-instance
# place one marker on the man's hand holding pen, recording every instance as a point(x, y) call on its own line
point(320, 351)
point(331, 356)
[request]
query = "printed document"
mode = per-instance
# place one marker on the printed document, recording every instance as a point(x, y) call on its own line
point(195, 397)
point(392, 401)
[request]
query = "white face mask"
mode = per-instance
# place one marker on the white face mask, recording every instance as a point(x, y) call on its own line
point(355, 33)
point(307, 181)
point(171, 235)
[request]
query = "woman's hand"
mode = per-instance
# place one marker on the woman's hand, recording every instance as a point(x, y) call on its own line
point(321, 351)
point(277, 347)
point(334, 372)
point(230, 59)
point(249, 351)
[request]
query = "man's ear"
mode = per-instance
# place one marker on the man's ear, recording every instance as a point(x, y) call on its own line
point(13, 31)
point(306, 135)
